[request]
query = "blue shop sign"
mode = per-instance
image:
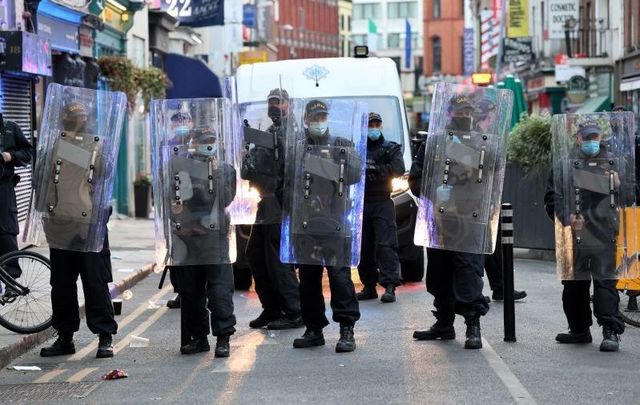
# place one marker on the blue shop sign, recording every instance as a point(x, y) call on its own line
point(62, 35)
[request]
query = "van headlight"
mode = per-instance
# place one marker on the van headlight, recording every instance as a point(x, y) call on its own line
point(400, 185)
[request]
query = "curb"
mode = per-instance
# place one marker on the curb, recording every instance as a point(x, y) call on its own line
point(28, 342)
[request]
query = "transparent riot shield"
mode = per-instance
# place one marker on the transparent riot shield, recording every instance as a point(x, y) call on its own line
point(464, 166)
point(262, 119)
point(594, 188)
point(193, 181)
point(73, 174)
point(324, 186)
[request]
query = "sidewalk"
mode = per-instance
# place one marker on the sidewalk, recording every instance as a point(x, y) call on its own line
point(132, 256)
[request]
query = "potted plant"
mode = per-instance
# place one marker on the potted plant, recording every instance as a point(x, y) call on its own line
point(141, 195)
point(529, 158)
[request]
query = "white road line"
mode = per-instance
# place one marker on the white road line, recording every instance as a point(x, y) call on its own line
point(80, 375)
point(141, 328)
point(515, 387)
point(126, 321)
point(47, 377)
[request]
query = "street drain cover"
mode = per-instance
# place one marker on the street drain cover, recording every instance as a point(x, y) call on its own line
point(47, 391)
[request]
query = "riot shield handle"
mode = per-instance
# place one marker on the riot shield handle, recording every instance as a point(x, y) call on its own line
point(176, 178)
point(612, 189)
point(210, 174)
point(341, 179)
point(92, 165)
point(481, 165)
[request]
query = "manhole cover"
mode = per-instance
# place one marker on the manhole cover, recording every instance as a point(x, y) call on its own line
point(46, 392)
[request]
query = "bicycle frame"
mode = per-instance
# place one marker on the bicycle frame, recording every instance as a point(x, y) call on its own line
point(11, 285)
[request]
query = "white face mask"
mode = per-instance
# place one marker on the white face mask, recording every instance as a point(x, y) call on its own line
point(318, 128)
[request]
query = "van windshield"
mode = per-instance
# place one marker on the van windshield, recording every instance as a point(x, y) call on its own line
point(387, 106)
point(389, 109)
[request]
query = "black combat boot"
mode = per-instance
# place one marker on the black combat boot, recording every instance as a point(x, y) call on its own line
point(263, 319)
point(389, 294)
point(63, 345)
point(443, 329)
point(174, 303)
point(196, 346)
point(474, 339)
point(311, 338)
point(346, 343)
point(610, 340)
point(286, 323)
point(105, 346)
point(498, 295)
point(368, 293)
point(582, 336)
point(222, 346)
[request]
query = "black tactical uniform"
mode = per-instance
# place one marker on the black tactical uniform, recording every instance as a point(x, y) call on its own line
point(594, 257)
point(94, 268)
point(13, 142)
point(379, 230)
point(322, 242)
point(276, 283)
point(207, 285)
point(453, 278)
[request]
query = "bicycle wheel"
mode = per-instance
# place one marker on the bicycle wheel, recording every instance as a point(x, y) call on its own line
point(27, 299)
point(629, 307)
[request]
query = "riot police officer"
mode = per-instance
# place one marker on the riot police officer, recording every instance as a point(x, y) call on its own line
point(181, 125)
point(379, 230)
point(210, 285)
point(482, 121)
point(595, 226)
point(453, 278)
point(94, 268)
point(276, 283)
point(320, 209)
point(15, 151)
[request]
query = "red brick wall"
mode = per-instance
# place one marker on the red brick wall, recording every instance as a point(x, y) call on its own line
point(450, 29)
point(320, 28)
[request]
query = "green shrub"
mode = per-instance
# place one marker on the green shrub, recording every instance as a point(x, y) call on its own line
point(530, 142)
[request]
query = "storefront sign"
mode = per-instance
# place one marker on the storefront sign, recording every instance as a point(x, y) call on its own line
point(577, 89)
point(26, 52)
point(85, 37)
point(631, 67)
point(560, 11)
point(61, 34)
point(249, 57)
point(517, 50)
point(518, 21)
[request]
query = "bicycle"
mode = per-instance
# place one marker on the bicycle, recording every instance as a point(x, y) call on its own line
point(25, 303)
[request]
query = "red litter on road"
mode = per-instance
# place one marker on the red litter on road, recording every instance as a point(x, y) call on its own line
point(115, 375)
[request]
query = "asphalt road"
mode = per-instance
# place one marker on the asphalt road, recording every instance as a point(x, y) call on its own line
point(387, 367)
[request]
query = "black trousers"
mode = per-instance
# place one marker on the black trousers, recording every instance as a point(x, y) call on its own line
point(379, 245)
point(8, 244)
point(493, 266)
point(344, 303)
point(201, 287)
point(455, 281)
point(276, 283)
point(95, 271)
point(576, 304)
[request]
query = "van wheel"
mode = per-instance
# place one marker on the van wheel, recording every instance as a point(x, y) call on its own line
point(413, 270)
point(241, 277)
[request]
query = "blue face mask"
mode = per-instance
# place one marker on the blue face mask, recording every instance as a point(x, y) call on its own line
point(590, 148)
point(182, 131)
point(374, 133)
point(318, 128)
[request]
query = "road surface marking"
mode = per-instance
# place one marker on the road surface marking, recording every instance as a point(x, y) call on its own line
point(47, 377)
point(502, 370)
point(141, 328)
point(80, 375)
point(126, 321)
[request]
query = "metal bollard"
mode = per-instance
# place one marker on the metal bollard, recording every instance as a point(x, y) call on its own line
point(507, 273)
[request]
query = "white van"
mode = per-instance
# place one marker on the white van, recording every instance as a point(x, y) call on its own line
point(373, 80)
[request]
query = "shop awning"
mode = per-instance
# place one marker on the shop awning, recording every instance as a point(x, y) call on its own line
point(595, 104)
point(190, 77)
